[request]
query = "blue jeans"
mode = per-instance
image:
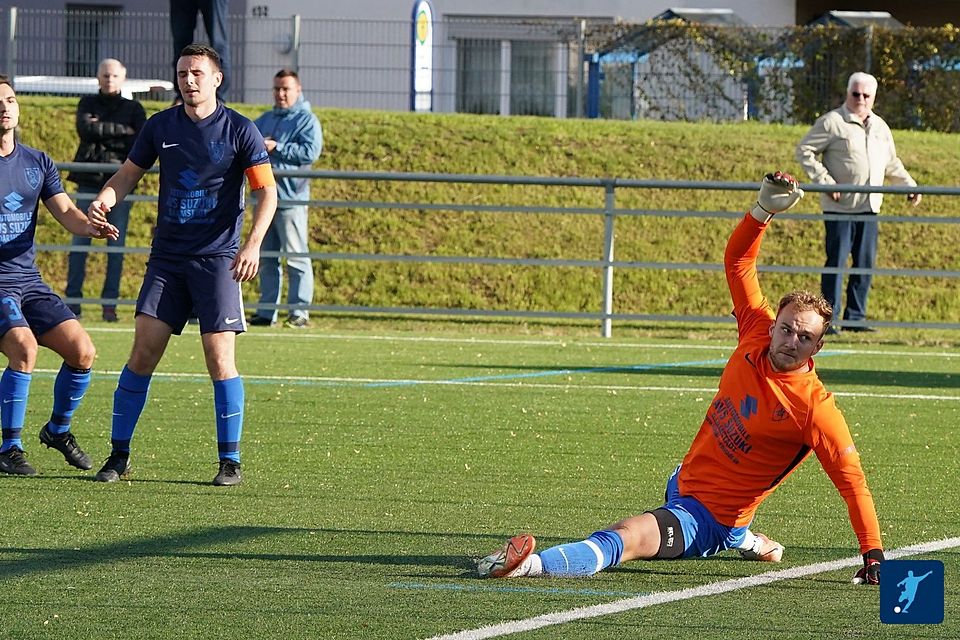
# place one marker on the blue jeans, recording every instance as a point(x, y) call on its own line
point(77, 263)
point(288, 234)
point(854, 238)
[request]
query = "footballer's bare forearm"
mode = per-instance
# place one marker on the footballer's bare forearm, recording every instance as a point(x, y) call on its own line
point(75, 221)
point(120, 185)
point(263, 212)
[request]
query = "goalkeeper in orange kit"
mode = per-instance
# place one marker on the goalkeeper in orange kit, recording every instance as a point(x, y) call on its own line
point(770, 413)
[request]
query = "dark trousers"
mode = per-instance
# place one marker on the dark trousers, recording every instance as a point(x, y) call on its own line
point(77, 262)
point(857, 239)
point(183, 22)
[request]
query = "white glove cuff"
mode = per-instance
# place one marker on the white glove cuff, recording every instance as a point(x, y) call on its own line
point(760, 214)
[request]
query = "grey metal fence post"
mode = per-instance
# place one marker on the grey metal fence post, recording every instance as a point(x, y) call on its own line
point(608, 219)
point(10, 63)
point(295, 44)
point(581, 50)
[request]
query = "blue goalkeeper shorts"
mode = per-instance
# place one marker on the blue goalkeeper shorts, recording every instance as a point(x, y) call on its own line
point(703, 536)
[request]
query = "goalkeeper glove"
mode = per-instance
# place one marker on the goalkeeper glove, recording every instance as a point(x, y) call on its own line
point(870, 573)
point(778, 192)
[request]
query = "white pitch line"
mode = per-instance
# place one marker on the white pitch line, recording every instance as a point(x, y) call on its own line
point(524, 385)
point(653, 599)
point(559, 342)
point(206, 376)
point(899, 396)
point(575, 342)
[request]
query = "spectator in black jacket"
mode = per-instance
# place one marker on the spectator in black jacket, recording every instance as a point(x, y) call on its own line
point(107, 124)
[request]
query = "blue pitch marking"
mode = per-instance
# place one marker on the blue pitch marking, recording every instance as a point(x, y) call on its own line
point(561, 372)
point(552, 372)
point(550, 590)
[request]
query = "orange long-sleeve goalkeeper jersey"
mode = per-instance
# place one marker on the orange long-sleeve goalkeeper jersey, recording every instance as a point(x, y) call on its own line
point(762, 424)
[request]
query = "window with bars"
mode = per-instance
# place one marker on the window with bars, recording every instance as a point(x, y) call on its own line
point(533, 78)
point(87, 27)
point(527, 70)
point(478, 76)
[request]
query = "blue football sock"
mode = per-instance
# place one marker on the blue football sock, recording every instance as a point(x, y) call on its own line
point(576, 559)
point(228, 400)
point(68, 390)
point(14, 389)
point(128, 402)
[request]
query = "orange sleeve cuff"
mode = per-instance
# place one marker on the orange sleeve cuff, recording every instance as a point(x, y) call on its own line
point(261, 176)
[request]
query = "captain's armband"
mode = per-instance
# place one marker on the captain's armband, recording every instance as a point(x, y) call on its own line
point(260, 176)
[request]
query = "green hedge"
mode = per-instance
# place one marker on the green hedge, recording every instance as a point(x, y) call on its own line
point(376, 141)
point(806, 68)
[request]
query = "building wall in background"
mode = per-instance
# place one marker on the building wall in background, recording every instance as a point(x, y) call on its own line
point(755, 12)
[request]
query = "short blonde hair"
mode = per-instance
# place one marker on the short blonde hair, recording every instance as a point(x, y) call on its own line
point(805, 300)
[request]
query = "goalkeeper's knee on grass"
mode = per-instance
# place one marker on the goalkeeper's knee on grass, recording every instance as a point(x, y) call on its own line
point(757, 546)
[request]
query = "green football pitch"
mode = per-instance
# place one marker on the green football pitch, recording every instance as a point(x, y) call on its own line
point(378, 464)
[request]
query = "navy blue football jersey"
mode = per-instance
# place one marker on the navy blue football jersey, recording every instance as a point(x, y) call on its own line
point(27, 178)
point(202, 164)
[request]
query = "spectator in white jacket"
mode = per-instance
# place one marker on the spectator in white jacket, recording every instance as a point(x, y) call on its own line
point(852, 145)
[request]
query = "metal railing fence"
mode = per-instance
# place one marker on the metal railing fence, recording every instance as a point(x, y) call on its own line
point(605, 265)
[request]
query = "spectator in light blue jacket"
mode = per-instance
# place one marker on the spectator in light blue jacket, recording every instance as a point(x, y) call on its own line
point(294, 139)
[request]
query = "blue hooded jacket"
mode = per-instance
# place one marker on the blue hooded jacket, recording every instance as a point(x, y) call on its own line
point(299, 140)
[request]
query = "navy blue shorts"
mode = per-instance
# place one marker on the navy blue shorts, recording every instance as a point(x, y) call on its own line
point(172, 288)
point(31, 304)
point(703, 536)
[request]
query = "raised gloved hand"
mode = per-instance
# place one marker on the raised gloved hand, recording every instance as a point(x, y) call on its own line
point(870, 573)
point(778, 192)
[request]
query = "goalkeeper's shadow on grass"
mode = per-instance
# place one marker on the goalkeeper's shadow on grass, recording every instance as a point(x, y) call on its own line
point(210, 542)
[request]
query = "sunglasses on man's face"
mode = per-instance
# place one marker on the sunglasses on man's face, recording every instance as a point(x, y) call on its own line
point(857, 94)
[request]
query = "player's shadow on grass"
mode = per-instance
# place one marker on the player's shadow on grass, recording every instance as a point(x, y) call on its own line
point(226, 543)
point(830, 376)
point(86, 476)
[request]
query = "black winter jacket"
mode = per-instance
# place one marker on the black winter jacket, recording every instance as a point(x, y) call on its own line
point(107, 126)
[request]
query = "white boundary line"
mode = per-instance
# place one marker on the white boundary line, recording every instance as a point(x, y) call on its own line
point(576, 342)
point(526, 385)
point(559, 342)
point(725, 586)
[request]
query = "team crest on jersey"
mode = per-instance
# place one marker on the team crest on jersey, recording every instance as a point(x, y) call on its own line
point(33, 176)
point(216, 151)
point(780, 414)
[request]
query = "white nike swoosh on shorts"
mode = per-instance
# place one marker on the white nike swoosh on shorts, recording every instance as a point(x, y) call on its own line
point(231, 320)
point(167, 146)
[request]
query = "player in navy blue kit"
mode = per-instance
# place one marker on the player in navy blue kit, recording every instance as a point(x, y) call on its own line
point(196, 261)
point(31, 314)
